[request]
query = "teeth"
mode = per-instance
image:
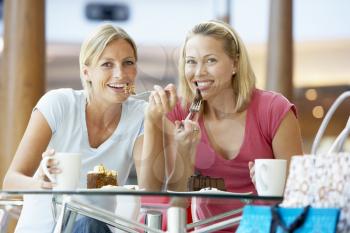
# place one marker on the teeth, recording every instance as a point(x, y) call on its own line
point(116, 85)
point(202, 84)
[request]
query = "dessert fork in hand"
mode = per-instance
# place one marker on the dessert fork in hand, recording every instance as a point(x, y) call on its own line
point(196, 104)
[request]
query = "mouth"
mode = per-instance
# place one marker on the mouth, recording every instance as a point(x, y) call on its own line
point(117, 85)
point(203, 85)
point(126, 88)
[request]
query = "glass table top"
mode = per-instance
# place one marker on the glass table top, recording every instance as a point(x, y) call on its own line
point(106, 205)
point(124, 191)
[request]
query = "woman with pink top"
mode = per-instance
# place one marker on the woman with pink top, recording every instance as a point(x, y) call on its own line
point(237, 124)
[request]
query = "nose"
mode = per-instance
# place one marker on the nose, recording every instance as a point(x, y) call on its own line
point(117, 72)
point(200, 69)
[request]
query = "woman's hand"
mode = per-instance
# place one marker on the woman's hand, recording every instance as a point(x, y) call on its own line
point(187, 136)
point(52, 167)
point(161, 102)
point(251, 166)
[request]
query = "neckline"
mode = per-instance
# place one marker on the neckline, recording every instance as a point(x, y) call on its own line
point(117, 130)
point(219, 156)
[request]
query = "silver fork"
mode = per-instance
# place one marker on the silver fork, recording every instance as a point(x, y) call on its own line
point(194, 107)
point(196, 104)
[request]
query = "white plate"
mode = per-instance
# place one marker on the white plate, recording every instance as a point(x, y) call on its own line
point(126, 188)
point(211, 191)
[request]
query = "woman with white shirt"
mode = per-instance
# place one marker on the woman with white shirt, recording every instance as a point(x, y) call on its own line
point(100, 122)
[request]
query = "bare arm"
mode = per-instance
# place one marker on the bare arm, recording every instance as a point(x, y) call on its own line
point(152, 160)
point(152, 170)
point(28, 155)
point(137, 155)
point(287, 141)
point(185, 141)
point(168, 151)
point(170, 158)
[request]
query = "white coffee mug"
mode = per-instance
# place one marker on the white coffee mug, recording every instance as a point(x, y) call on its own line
point(70, 165)
point(270, 176)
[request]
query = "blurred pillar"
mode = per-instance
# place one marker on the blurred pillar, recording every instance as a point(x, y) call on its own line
point(223, 10)
point(23, 71)
point(280, 48)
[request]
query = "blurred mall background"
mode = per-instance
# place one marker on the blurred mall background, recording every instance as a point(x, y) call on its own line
point(320, 32)
point(321, 44)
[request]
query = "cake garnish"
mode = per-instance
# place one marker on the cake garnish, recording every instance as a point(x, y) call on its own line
point(99, 169)
point(129, 89)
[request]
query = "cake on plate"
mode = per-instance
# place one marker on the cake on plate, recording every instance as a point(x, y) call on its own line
point(100, 177)
point(198, 182)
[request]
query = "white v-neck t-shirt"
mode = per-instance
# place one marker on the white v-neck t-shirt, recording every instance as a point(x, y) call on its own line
point(64, 110)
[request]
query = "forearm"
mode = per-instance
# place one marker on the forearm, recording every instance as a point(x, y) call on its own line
point(18, 181)
point(183, 169)
point(28, 155)
point(152, 160)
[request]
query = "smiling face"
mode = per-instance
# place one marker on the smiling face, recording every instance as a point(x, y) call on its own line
point(114, 70)
point(207, 64)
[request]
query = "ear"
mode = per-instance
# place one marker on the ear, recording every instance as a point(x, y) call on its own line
point(86, 73)
point(234, 69)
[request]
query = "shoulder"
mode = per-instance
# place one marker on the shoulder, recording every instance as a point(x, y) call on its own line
point(56, 104)
point(64, 95)
point(268, 109)
point(263, 96)
point(267, 101)
point(61, 101)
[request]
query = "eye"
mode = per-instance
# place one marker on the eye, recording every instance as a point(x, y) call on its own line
point(211, 60)
point(107, 64)
point(190, 61)
point(129, 63)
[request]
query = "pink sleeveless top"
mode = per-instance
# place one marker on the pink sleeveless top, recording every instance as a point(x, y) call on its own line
point(264, 115)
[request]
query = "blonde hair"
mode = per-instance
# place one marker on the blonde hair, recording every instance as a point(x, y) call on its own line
point(93, 47)
point(244, 81)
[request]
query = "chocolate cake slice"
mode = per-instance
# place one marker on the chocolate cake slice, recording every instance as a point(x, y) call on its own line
point(198, 182)
point(100, 177)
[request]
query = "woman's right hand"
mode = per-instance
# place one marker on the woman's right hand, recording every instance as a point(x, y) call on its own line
point(52, 167)
point(251, 167)
point(161, 102)
point(187, 134)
